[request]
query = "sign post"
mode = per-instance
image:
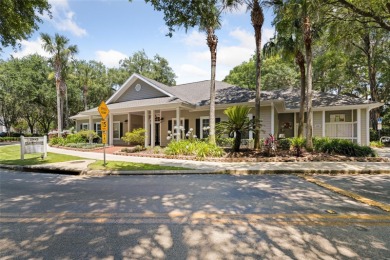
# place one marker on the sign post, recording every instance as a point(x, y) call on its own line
point(104, 111)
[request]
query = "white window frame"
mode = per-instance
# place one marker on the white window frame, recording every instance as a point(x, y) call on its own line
point(119, 130)
point(250, 134)
point(201, 125)
point(182, 120)
point(98, 132)
point(84, 126)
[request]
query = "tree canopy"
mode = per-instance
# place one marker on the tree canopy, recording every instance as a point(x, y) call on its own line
point(19, 19)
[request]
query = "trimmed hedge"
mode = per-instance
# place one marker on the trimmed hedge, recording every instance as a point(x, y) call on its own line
point(342, 147)
point(9, 139)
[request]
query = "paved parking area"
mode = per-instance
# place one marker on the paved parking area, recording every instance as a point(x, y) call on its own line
point(374, 187)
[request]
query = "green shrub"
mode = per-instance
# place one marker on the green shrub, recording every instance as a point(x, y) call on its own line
point(225, 141)
point(137, 136)
point(320, 142)
point(9, 139)
point(298, 143)
point(57, 141)
point(284, 144)
point(344, 147)
point(157, 150)
point(75, 138)
point(377, 144)
point(195, 148)
point(86, 135)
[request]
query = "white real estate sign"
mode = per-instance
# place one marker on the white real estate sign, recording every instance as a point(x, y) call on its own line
point(33, 145)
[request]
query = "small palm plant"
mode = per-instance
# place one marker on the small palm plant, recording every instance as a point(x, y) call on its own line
point(237, 123)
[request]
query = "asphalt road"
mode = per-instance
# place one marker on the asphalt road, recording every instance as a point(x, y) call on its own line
point(184, 217)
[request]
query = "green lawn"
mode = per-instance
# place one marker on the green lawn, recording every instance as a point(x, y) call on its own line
point(10, 154)
point(129, 166)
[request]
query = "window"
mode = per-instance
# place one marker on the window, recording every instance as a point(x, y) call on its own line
point(337, 118)
point(182, 133)
point(204, 127)
point(84, 126)
point(98, 129)
point(116, 130)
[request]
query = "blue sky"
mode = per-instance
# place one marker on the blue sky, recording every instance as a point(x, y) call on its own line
point(111, 30)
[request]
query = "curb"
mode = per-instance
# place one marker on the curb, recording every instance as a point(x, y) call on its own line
point(349, 194)
point(67, 170)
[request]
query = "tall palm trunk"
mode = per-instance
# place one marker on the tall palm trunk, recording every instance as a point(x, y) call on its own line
point(309, 81)
point(257, 18)
point(85, 93)
point(59, 115)
point(212, 42)
point(300, 61)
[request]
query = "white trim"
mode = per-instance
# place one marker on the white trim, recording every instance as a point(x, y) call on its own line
point(177, 124)
point(359, 126)
point(146, 127)
point(90, 122)
point(295, 125)
point(125, 86)
point(182, 123)
point(96, 128)
point(110, 129)
point(353, 123)
point(119, 130)
point(324, 124)
point(201, 125)
point(152, 129)
point(84, 124)
point(128, 122)
point(250, 134)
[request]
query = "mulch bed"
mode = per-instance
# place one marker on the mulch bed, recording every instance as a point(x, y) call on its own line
point(255, 156)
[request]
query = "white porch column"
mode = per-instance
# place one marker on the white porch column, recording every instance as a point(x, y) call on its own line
point(367, 127)
point(295, 125)
point(323, 124)
point(111, 129)
point(272, 119)
point(146, 127)
point(177, 123)
point(353, 124)
point(152, 129)
point(359, 126)
point(128, 122)
point(90, 123)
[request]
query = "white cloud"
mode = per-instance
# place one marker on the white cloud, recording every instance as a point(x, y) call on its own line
point(31, 47)
point(64, 18)
point(246, 39)
point(195, 38)
point(110, 58)
point(190, 73)
point(267, 34)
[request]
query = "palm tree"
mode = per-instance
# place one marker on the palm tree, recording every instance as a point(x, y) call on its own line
point(85, 74)
point(257, 20)
point(237, 123)
point(60, 50)
point(289, 41)
point(209, 23)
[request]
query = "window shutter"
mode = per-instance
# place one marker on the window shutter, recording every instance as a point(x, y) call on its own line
point(81, 127)
point(170, 125)
point(186, 125)
point(121, 130)
point(197, 128)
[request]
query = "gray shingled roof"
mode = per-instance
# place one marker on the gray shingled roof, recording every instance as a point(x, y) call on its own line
point(198, 93)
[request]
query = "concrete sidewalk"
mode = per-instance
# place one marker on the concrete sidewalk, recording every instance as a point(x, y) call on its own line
point(234, 168)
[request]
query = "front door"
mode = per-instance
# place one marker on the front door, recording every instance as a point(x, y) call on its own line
point(157, 136)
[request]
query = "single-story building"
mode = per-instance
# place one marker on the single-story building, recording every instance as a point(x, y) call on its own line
point(145, 103)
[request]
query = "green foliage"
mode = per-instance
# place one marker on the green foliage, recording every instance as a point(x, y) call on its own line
point(374, 135)
point(376, 144)
point(157, 68)
point(237, 123)
point(298, 143)
point(196, 148)
point(225, 141)
point(19, 19)
point(84, 135)
point(137, 136)
point(83, 145)
point(9, 139)
point(342, 147)
point(276, 74)
point(57, 141)
point(284, 144)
